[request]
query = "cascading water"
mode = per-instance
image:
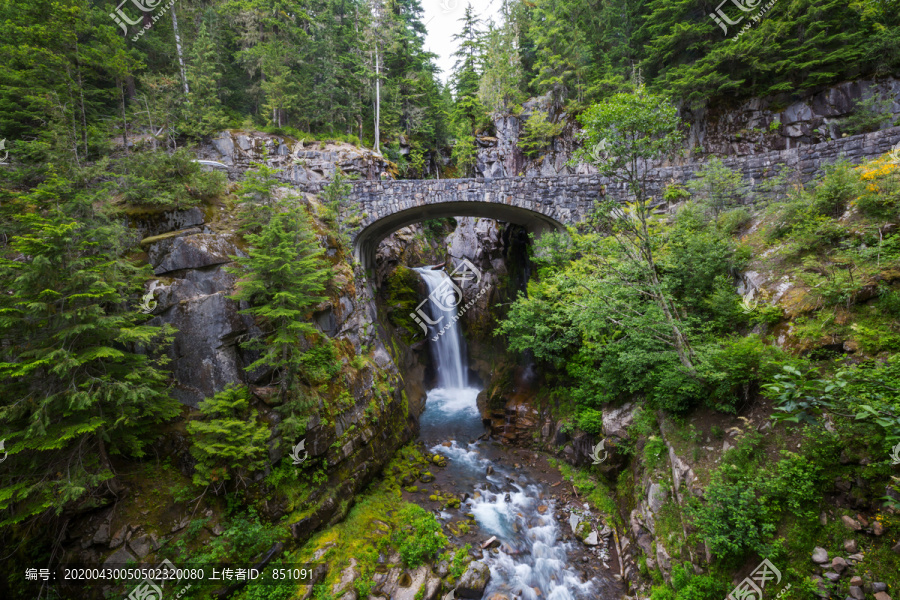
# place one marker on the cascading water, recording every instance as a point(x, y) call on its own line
point(532, 563)
point(449, 349)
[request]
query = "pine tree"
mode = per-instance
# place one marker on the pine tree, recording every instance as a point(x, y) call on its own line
point(81, 378)
point(203, 112)
point(227, 440)
point(283, 280)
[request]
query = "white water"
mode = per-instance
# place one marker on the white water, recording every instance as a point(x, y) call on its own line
point(449, 349)
point(531, 563)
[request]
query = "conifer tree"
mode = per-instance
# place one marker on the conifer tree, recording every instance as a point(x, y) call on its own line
point(203, 112)
point(227, 440)
point(81, 376)
point(283, 280)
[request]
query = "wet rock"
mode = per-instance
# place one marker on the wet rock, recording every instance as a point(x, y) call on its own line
point(820, 555)
point(191, 252)
point(474, 581)
point(118, 537)
point(491, 542)
point(144, 545)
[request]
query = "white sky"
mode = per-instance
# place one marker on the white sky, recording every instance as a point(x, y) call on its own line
point(442, 20)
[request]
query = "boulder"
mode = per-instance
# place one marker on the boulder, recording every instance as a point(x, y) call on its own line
point(850, 546)
point(882, 596)
point(820, 555)
point(474, 581)
point(838, 564)
point(851, 523)
point(616, 421)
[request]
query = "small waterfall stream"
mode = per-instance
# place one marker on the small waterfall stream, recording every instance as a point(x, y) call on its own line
point(531, 562)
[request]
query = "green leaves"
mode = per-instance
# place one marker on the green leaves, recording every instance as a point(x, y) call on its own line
point(227, 439)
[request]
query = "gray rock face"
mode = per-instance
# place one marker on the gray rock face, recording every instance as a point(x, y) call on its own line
point(616, 421)
point(757, 126)
point(300, 163)
point(656, 496)
point(474, 580)
point(173, 220)
point(191, 252)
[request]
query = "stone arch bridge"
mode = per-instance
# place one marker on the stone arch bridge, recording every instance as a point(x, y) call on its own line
point(550, 203)
point(538, 203)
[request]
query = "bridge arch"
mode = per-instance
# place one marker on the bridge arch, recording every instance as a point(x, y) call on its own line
point(539, 204)
point(367, 240)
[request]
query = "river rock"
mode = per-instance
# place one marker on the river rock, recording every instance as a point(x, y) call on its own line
point(820, 555)
point(838, 564)
point(474, 581)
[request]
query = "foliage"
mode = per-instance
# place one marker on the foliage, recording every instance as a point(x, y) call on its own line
point(227, 440)
point(420, 538)
point(869, 114)
point(81, 373)
point(257, 197)
point(163, 180)
point(537, 133)
point(718, 187)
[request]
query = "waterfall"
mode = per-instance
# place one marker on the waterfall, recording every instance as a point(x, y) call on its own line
point(447, 344)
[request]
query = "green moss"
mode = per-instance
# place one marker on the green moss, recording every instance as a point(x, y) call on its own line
point(402, 297)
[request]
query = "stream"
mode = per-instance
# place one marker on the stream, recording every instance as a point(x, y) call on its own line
point(532, 561)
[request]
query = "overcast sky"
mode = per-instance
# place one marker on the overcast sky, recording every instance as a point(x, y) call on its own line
point(442, 19)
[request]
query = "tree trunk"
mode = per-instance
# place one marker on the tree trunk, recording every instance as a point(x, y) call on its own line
point(178, 49)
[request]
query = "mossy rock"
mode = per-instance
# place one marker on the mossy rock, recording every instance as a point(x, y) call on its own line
point(439, 460)
point(583, 530)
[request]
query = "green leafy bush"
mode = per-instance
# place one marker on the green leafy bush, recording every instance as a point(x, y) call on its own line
point(837, 187)
point(420, 538)
point(718, 187)
point(734, 369)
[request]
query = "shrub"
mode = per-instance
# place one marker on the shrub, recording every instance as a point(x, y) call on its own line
point(717, 186)
point(837, 187)
point(537, 133)
point(227, 439)
point(869, 115)
point(421, 537)
point(732, 221)
point(167, 180)
point(734, 369)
